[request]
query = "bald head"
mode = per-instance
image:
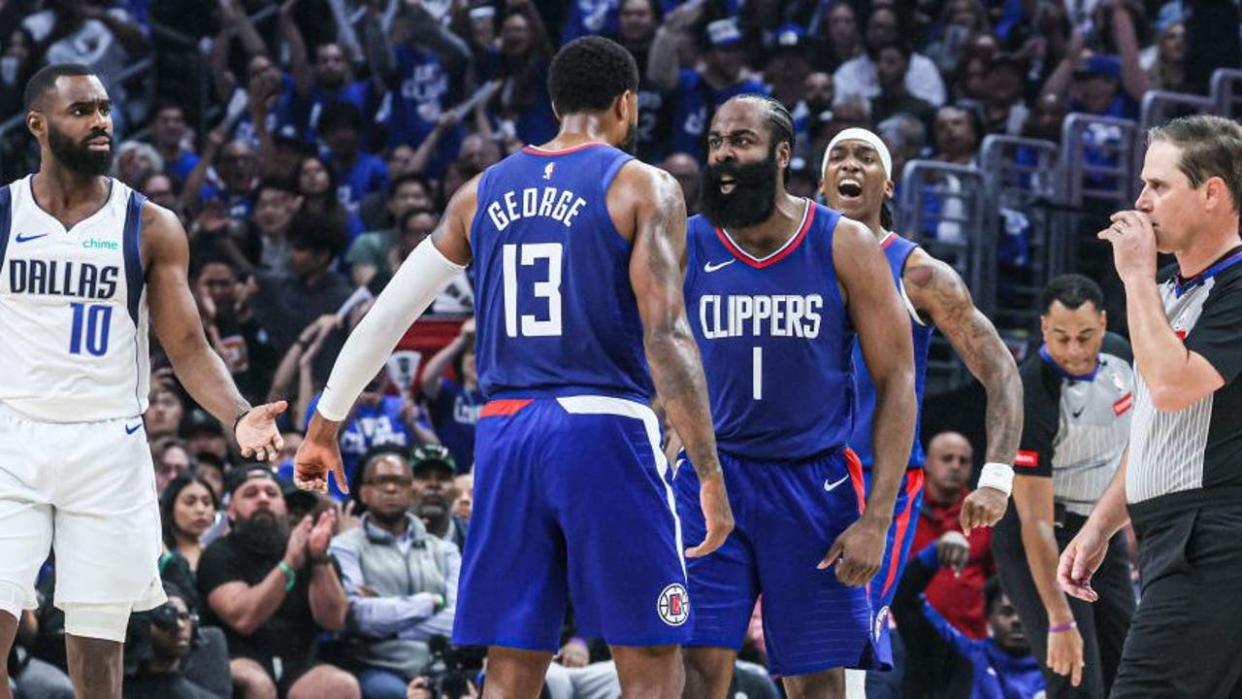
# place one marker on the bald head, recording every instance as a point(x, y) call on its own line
point(948, 466)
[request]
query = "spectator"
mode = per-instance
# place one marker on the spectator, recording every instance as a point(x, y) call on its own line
point(639, 20)
point(236, 335)
point(238, 175)
point(685, 169)
point(424, 67)
point(810, 114)
point(286, 303)
point(168, 136)
point(369, 252)
point(523, 58)
point(401, 582)
point(377, 419)
point(700, 90)
point(959, 20)
point(164, 411)
point(1004, 109)
point(958, 597)
point(273, 588)
point(136, 161)
point(204, 434)
point(276, 203)
point(319, 189)
point(19, 57)
point(171, 457)
point(1045, 119)
point(158, 646)
point(959, 131)
point(188, 508)
point(892, 63)
point(32, 676)
point(1166, 64)
point(857, 78)
point(455, 404)
point(159, 188)
point(434, 493)
point(787, 67)
point(356, 172)
point(211, 469)
point(840, 31)
point(906, 137)
point(319, 86)
point(464, 504)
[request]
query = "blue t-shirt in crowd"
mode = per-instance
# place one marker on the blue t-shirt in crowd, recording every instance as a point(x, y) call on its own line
point(454, 413)
point(368, 426)
point(425, 90)
point(369, 174)
point(180, 168)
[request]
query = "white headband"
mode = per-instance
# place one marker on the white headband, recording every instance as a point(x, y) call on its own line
point(857, 134)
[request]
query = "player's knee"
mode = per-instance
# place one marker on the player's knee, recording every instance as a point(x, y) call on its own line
point(105, 622)
point(829, 684)
point(326, 681)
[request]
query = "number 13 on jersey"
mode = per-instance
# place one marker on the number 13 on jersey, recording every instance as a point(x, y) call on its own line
point(548, 288)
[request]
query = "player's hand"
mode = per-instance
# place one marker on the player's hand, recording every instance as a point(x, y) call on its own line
point(953, 550)
point(1081, 558)
point(574, 654)
point(319, 454)
point(1065, 654)
point(295, 550)
point(321, 535)
point(982, 508)
point(257, 435)
point(717, 514)
point(1134, 245)
point(858, 551)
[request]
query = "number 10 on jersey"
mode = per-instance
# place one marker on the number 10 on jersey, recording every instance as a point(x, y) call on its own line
point(91, 324)
point(549, 289)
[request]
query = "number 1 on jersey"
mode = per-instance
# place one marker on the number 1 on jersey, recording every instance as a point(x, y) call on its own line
point(90, 327)
point(549, 289)
point(757, 391)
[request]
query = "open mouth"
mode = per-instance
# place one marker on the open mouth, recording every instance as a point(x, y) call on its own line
point(849, 189)
point(727, 184)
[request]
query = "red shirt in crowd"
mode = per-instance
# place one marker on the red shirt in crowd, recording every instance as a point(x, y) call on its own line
point(958, 597)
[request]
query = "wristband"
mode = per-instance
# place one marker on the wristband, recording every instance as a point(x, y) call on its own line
point(238, 419)
point(290, 573)
point(1062, 628)
point(321, 560)
point(997, 475)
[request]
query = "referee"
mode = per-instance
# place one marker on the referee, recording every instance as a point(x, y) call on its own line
point(1078, 393)
point(1183, 482)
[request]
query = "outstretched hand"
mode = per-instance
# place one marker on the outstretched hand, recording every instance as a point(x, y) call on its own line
point(319, 455)
point(257, 435)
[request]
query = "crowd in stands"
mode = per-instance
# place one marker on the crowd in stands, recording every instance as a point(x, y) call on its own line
point(308, 146)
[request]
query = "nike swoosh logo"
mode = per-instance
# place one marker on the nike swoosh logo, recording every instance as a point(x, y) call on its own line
point(1078, 412)
point(131, 430)
point(709, 267)
point(22, 238)
point(833, 486)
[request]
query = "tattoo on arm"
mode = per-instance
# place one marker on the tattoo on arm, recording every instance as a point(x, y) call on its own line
point(937, 290)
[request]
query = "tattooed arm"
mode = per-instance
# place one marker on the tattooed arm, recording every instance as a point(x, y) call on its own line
point(939, 294)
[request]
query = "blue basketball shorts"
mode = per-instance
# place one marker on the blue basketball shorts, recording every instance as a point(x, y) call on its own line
point(897, 550)
point(787, 516)
point(571, 501)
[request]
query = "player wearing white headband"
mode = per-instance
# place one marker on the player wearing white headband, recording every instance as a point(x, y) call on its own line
point(857, 181)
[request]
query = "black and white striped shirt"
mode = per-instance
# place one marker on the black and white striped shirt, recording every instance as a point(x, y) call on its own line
point(1195, 452)
point(1075, 428)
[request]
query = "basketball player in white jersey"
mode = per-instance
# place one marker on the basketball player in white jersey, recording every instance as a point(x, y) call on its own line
point(81, 257)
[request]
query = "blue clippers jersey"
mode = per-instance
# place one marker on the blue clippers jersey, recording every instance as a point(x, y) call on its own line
point(896, 250)
point(775, 339)
point(555, 311)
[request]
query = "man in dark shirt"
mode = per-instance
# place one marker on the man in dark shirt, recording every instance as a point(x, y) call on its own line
point(235, 334)
point(273, 590)
point(287, 303)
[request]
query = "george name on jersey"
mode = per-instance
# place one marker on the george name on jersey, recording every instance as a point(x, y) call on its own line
point(774, 315)
point(63, 278)
point(560, 205)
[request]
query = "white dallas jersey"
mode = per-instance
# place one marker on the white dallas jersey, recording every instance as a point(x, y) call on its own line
point(73, 309)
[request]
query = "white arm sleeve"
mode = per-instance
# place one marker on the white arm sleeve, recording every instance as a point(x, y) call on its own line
point(415, 285)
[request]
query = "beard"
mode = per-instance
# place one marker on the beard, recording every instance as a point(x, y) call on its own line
point(753, 197)
point(631, 139)
point(262, 533)
point(387, 519)
point(78, 157)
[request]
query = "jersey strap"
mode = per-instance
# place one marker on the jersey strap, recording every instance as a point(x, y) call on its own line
point(132, 242)
point(6, 220)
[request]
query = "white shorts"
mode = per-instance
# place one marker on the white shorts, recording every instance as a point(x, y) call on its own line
point(87, 490)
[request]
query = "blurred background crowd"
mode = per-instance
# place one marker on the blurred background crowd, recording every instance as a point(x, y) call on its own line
point(308, 146)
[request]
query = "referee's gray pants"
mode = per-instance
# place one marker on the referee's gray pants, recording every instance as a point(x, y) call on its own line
point(1103, 625)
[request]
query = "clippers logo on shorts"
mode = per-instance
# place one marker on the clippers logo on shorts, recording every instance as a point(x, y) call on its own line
point(674, 605)
point(881, 619)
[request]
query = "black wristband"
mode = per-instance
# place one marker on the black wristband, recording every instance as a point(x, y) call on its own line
point(321, 560)
point(238, 420)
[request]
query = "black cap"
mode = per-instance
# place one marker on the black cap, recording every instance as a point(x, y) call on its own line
point(198, 422)
point(431, 456)
point(236, 477)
